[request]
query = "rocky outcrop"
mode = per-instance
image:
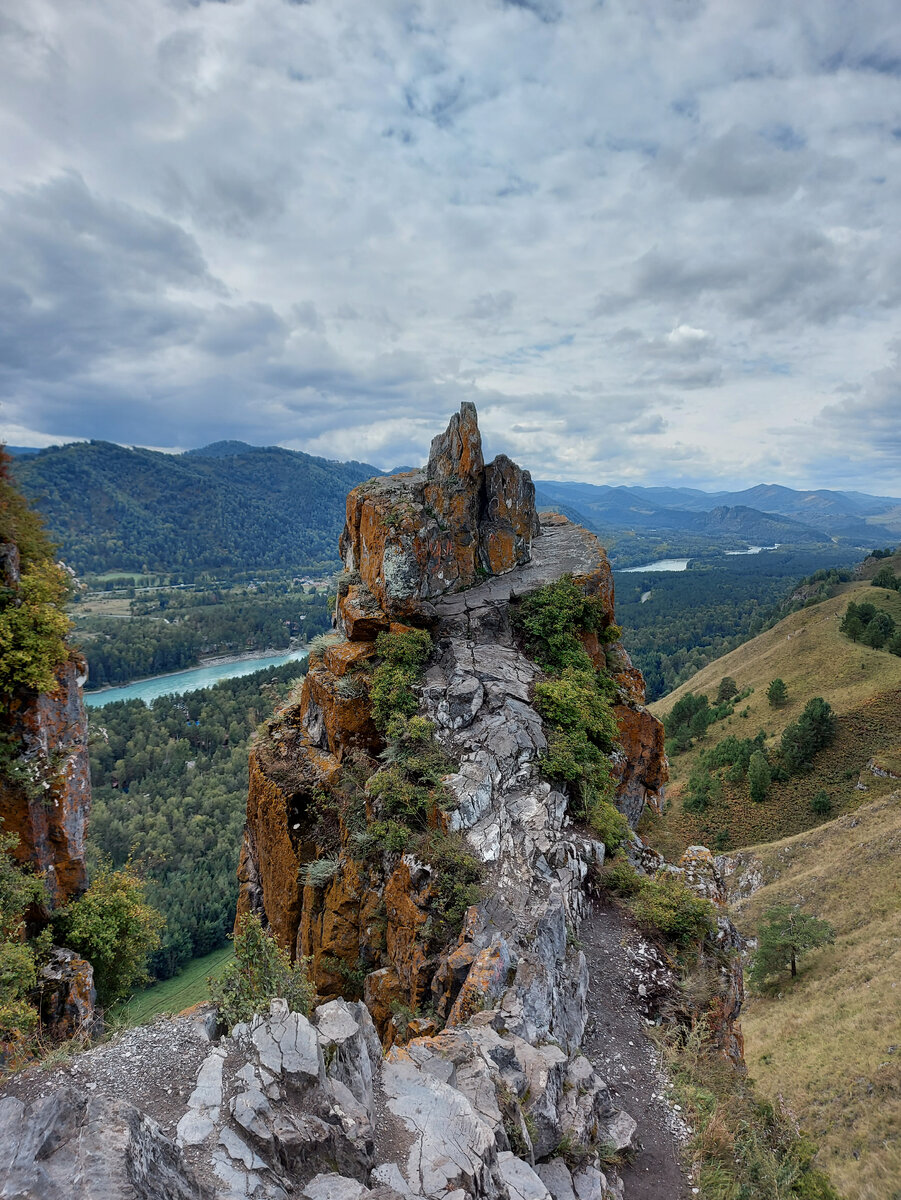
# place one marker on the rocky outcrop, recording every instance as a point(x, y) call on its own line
point(450, 549)
point(420, 535)
point(66, 996)
point(69, 1144)
point(45, 781)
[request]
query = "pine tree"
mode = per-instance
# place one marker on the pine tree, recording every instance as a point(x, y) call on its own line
point(785, 934)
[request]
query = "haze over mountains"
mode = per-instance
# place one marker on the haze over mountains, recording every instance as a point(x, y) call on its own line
point(233, 507)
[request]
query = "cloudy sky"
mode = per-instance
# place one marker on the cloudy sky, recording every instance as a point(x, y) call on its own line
point(653, 240)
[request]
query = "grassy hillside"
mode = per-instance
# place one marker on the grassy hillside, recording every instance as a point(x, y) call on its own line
point(831, 1043)
point(809, 653)
point(174, 995)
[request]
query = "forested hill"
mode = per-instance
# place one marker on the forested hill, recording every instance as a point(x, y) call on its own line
point(228, 506)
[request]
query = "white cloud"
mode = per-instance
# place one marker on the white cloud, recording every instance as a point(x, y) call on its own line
point(649, 240)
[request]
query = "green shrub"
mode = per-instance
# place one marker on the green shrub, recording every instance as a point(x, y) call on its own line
point(18, 969)
point(702, 788)
point(620, 877)
point(812, 732)
point(456, 876)
point(821, 804)
point(581, 733)
point(402, 656)
point(667, 904)
point(550, 618)
point(777, 693)
point(759, 776)
point(783, 936)
point(727, 689)
point(401, 796)
point(258, 973)
point(608, 823)
point(392, 836)
point(115, 929)
point(33, 628)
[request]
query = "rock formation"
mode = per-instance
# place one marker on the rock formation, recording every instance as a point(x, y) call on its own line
point(448, 549)
point(445, 1060)
point(45, 784)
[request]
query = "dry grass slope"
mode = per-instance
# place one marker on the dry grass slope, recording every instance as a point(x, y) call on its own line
point(807, 651)
point(831, 1044)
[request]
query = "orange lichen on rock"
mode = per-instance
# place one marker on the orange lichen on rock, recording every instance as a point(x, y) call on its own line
point(642, 767)
point(49, 811)
point(420, 535)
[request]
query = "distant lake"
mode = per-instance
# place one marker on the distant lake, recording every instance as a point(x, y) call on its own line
point(755, 549)
point(662, 564)
point(189, 681)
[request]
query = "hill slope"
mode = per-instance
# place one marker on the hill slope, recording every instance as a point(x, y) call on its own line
point(230, 507)
point(831, 1044)
point(809, 653)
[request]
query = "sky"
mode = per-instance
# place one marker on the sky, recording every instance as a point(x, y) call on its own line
point(655, 241)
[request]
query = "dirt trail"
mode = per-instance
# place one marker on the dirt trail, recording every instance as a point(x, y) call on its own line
point(616, 1043)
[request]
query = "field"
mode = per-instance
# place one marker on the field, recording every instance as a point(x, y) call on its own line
point(830, 1044)
point(809, 653)
point(178, 993)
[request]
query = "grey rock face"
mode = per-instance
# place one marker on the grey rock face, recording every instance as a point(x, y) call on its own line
point(67, 1145)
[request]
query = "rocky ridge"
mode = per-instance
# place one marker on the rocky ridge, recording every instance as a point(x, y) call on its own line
point(462, 1073)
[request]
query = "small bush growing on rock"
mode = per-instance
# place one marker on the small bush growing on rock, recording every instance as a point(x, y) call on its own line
point(549, 619)
point(608, 823)
point(320, 871)
point(456, 875)
point(320, 643)
point(403, 656)
point(353, 686)
point(667, 904)
point(259, 972)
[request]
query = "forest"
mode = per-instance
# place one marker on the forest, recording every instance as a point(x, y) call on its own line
point(229, 508)
point(170, 630)
point(170, 791)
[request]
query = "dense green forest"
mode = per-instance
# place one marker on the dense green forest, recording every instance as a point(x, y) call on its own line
point(229, 508)
point(170, 630)
point(170, 792)
point(692, 617)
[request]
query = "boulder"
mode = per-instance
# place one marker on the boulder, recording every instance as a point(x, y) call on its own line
point(67, 1145)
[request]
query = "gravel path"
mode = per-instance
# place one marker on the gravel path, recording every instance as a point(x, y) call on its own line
point(616, 1043)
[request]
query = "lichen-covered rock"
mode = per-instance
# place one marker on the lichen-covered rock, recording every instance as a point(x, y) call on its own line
point(417, 536)
point(48, 800)
point(66, 996)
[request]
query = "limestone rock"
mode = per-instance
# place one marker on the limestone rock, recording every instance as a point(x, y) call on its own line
point(67, 1145)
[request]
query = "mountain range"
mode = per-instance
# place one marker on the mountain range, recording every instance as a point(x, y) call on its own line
point(231, 507)
point(821, 511)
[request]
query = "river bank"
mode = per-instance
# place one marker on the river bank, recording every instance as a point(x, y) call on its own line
point(210, 671)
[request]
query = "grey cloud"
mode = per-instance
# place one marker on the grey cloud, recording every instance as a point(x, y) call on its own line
point(741, 163)
point(490, 306)
point(330, 223)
